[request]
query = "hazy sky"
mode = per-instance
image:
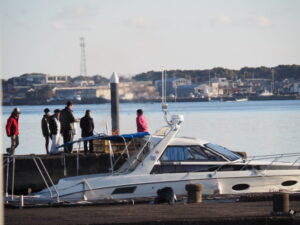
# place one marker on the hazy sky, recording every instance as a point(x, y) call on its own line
point(133, 36)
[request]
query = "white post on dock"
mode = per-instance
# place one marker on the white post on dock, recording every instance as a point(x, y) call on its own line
point(114, 99)
point(21, 201)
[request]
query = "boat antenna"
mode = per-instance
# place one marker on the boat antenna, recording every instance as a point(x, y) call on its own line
point(164, 96)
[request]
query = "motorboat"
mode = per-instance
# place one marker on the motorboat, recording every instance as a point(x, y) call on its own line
point(165, 160)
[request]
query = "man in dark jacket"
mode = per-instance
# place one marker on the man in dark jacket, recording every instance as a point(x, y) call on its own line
point(12, 130)
point(46, 129)
point(87, 129)
point(67, 121)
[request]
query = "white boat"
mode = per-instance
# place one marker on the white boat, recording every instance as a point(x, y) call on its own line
point(165, 160)
point(241, 99)
point(266, 93)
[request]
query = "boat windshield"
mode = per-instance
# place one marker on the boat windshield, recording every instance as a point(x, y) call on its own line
point(223, 151)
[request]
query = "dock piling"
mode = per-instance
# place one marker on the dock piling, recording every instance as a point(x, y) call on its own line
point(21, 201)
point(281, 203)
point(194, 192)
point(114, 99)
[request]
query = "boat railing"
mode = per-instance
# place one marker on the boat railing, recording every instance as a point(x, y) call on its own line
point(136, 157)
point(141, 154)
point(41, 169)
point(271, 158)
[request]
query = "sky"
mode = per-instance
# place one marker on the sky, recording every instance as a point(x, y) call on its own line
point(135, 36)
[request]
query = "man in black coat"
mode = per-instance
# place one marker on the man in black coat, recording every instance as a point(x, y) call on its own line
point(67, 121)
point(87, 129)
point(46, 129)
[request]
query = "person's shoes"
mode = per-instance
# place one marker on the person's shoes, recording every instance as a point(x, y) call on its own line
point(9, 152)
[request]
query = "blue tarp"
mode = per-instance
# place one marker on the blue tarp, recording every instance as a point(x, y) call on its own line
point(116, 138)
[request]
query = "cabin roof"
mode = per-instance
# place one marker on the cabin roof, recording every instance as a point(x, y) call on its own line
point(187, 141)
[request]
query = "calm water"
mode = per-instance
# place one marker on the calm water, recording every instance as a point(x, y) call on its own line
point(259, 128)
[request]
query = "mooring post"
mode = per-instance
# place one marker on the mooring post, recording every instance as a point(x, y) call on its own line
point(114, 99)
point(281, 203)
point(194, 192)
point(21, 202)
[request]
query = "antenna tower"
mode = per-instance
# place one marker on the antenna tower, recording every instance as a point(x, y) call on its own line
point(83, 60)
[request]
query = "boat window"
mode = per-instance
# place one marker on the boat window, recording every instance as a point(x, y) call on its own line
point(189, 153)
point(224, 151)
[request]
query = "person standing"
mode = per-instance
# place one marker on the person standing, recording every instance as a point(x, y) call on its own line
point(67, 121)
point(55, 127)
point(46, 128)
point(87, 129)
point(12, 130)
point(141, 121)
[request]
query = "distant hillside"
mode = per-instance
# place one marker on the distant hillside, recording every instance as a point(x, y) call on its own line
point(281, 72)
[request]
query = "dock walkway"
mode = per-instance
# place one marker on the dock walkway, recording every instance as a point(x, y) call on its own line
point(207, 213)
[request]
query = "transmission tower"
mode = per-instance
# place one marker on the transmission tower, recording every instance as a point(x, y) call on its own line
point(83, 60)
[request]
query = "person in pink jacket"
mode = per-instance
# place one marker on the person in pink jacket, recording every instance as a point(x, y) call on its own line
point(141, 121)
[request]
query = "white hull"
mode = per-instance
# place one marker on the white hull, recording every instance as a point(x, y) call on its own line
point(174, 162)
point(103, 188)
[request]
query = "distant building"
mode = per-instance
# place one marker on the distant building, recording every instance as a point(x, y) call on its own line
point(137, 90)
point(296, 87)
point(83, 83)
point(171, 85)
point(218, 87)
point(221, 81)
point(192, 90)
point(82, 92)
point(39, 79)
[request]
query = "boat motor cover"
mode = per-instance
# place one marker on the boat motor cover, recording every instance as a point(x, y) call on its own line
point(116, 138)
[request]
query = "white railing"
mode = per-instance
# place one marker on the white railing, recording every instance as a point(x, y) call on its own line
point(40, 167)
point(269, 160)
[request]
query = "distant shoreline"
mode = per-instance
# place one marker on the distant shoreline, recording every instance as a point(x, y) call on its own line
point(103, 101)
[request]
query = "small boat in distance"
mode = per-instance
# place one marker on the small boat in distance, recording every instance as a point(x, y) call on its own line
point(241, 99)
point(266, 93)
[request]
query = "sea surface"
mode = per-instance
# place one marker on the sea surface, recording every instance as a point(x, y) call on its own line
point(256, 127)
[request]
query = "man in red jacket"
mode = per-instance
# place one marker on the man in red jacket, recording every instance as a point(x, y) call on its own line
point(12, 130)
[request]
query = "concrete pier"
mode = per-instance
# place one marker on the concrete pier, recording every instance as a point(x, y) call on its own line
point(208, 213)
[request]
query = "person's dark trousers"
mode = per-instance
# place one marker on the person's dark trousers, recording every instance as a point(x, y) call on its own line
point(47, 139)
point(67, 136)
point(91, 147)
point(14, 144)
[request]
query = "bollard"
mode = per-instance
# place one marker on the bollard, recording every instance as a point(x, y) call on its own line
point(194, 192)
point(21, 201)
point(281, 203)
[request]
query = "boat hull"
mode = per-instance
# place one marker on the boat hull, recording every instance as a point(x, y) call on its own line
point(144, 186)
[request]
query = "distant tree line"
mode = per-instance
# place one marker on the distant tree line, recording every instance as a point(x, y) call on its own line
point(281, 72)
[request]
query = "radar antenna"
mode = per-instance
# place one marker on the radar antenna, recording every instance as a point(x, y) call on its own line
point(164, 96)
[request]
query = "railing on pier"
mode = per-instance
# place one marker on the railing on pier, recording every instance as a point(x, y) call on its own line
point(40, 167)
